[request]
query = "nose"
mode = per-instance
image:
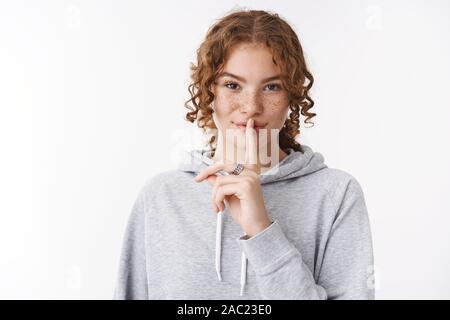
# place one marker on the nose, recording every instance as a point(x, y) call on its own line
point(251, 104)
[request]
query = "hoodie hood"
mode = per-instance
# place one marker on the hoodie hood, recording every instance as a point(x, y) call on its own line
point(294, 165)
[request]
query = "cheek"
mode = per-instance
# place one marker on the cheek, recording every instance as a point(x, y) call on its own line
point(226, 102)
point(277, 108)
point(224, 105)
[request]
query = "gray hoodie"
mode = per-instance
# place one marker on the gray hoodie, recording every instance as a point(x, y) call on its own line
point(319, 245)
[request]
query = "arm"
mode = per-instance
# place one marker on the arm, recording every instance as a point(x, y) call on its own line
point(132, 276)
point(282, 274)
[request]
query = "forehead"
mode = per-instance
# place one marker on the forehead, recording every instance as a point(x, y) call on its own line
point(251, 61)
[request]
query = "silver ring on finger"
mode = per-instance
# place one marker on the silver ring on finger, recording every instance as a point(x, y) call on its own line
point(238, 169)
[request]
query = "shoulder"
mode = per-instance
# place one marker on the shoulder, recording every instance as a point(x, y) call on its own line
point(341, 184)
point(337, 177)
point(165, 181)
point(345, 194)
point(331, 179)
point(165, 177)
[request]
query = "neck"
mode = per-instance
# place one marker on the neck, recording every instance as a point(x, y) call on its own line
point(229, 152)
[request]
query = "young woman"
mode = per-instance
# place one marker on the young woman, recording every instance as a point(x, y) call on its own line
point(257, 215)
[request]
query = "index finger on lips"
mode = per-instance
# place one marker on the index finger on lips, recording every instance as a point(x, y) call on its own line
point(251, 146)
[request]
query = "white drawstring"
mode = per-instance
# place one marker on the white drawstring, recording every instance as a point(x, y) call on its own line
point(243, 272)
point(219, 251)
point(218, 243)
point(204, 158)
point(219, 237)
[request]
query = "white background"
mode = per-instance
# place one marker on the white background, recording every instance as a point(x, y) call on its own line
point(92, 103)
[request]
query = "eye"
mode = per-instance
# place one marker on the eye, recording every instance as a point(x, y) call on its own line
point(230, 83)
point(277, 86)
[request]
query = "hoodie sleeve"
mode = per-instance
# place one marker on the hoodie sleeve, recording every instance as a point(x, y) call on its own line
point(346, 265)
point(132, 276)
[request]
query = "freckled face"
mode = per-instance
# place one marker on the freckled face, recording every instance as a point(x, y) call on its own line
point(250, 95)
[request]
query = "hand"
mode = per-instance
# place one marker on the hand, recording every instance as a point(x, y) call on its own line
point(242, 192)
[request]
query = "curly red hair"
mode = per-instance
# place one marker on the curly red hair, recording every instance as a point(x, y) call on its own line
point(255, 27)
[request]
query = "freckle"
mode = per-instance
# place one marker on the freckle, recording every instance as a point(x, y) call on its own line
point(274, 105)
point(234, 102)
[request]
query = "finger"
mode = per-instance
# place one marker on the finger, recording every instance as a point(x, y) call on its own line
point(212, 179)
point(221, 181)
point(251, 146)
point(213, 194)
point(215, 168)
point(226, 190)
point(211, 170)
point(217, 206)
point(230, 179)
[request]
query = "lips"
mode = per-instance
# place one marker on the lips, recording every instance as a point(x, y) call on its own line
point(244, 125)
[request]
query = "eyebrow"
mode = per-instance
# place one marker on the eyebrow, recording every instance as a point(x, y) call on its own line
point(223, 74)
